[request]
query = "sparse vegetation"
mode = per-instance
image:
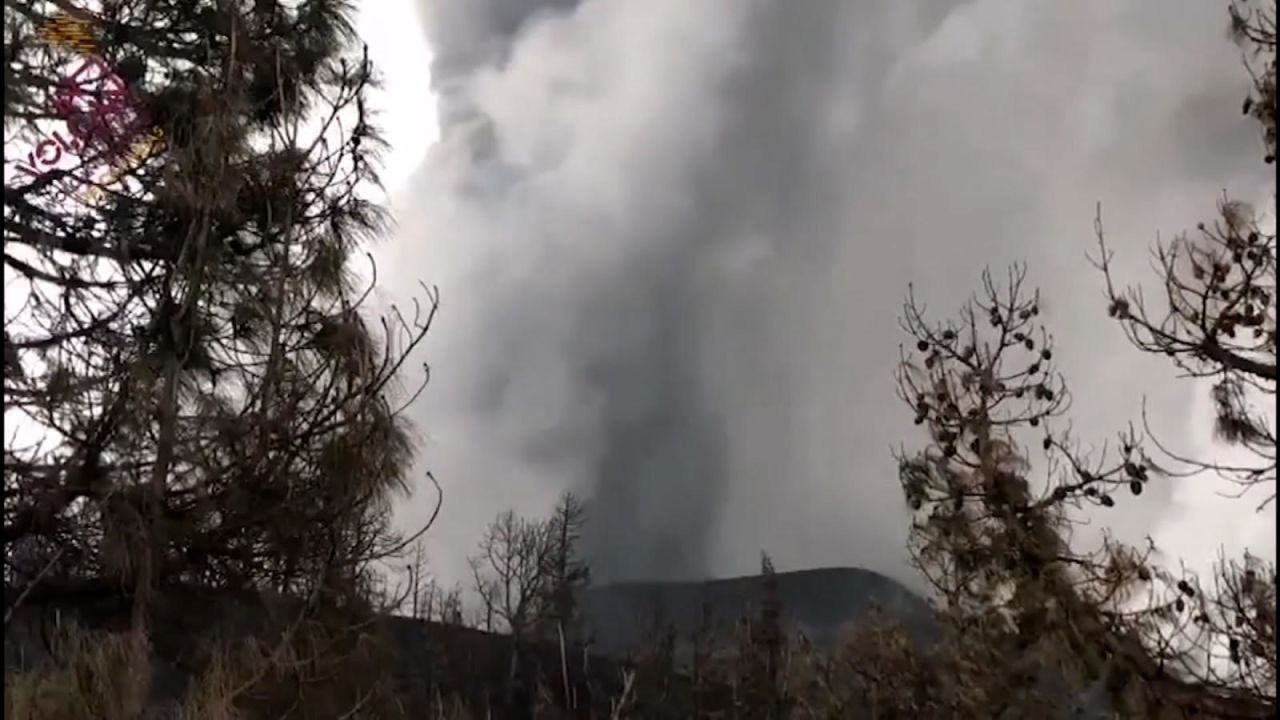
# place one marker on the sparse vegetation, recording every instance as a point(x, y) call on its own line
point(1001, 483)
point(104, 677)
point(206, 514)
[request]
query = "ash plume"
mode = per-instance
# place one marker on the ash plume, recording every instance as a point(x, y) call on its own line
point(673, 238)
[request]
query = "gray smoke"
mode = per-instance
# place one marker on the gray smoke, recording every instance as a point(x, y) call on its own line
point(673, 238)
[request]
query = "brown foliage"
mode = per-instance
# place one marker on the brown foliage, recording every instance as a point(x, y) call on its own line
point(993, 528)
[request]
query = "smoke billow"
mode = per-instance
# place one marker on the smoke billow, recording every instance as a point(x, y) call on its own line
point(673, 238)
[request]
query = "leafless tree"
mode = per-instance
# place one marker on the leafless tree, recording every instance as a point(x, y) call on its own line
point(509, 571)
point(428, 599)
point(448, 604)
point(1215, 314)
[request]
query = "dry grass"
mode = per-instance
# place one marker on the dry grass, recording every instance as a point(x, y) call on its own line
point(101, 677)
point(313, 672)
point(105, 676)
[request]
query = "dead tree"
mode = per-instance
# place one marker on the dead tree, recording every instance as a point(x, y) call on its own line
point(993, 530)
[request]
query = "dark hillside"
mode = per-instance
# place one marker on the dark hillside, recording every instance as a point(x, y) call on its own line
point(817, 602)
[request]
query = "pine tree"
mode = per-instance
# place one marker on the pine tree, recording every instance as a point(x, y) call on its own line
point(194, 348)
point(566, 574)
point(996, 541)
point(764, 644)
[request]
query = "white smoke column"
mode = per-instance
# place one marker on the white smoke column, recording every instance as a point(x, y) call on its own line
point(405, 110)
point(673, 238)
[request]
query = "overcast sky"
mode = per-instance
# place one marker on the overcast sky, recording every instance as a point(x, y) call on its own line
point(673, 238)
